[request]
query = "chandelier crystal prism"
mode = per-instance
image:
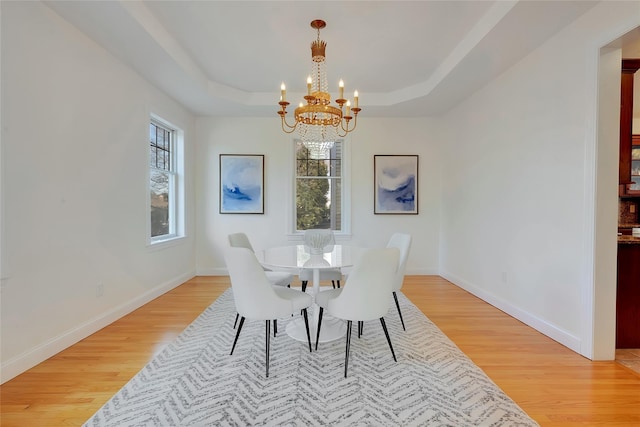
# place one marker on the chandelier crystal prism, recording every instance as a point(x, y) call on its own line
point(317, 122)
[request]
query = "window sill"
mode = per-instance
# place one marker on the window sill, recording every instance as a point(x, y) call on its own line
point(158, 245)
point(340, 237)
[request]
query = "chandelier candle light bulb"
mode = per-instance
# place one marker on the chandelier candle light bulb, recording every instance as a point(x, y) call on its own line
point(319, 123)
point(283, 92)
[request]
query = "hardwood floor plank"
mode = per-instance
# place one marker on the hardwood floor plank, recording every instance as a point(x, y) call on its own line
point(554, 385)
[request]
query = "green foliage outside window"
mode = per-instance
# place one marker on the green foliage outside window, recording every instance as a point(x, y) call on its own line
point(312, 201)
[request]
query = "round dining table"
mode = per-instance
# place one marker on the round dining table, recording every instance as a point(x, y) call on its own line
point(298, 257)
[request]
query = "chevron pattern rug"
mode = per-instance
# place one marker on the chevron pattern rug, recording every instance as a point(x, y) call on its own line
point(195, 382)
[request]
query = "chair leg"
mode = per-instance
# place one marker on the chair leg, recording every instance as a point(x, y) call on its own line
point(267, 344)
point(346, 352)
point(275, 327)
point(338, 284)
point(304, 285)
point(237, 335)
point(236, 322)
point(384, 326)
point(319, 325)
point(306, 324)
point(333, 283)
point(360, 328)
point(395, 297)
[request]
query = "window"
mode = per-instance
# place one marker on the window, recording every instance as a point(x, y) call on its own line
point(319, 189)
point(164, 181)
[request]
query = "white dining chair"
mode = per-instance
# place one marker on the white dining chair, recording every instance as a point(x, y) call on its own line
point(365, 295)
point(402, 242)
point(256, 299)
point(319, 241)
point(276, 278)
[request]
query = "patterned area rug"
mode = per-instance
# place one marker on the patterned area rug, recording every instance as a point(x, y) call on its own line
point(195, 382)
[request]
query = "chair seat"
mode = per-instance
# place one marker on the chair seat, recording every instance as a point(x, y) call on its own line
point(279, 278)
point(325, 274)
point(322, 298)
point(299, 300)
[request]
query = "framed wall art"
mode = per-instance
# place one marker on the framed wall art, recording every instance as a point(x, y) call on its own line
point(241, 184)
point(395, 184)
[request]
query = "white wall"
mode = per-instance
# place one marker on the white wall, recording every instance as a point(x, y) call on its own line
point(74, 153)
point(518, 219)
point(264, 136)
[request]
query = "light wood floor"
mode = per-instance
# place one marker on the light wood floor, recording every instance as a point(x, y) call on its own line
point(554, 385)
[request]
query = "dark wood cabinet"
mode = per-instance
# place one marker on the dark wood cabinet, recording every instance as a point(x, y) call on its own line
point(634, 187)
point(628, 281)
point(628, 296)
point(628, 187)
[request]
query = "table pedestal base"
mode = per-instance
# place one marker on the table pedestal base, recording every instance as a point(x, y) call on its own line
point(331, 329)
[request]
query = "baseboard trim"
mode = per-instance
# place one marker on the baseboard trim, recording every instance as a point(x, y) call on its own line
point(421, 272)
point(544, 327)
point(212, 272)
point(27, 360)
point(223, 272)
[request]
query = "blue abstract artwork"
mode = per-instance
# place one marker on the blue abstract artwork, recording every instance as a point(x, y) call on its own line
point(242, 183)
point(396, 184)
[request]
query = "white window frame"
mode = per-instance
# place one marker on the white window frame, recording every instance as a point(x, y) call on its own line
point(176, 185)
point(345, 232)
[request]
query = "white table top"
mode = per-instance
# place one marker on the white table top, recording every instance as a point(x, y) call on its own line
point(298, 256)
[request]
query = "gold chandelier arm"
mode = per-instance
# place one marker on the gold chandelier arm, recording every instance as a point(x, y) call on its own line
point(286, 125)
point(347, 130)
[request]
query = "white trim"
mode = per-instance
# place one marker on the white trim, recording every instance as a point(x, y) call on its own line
point(177, 204)
point(552, 331)
point(222, 271)
point(4, 276)
point(290, 221)
point(215, 271)
point(597, 314)
point(345, 232)
point(421, 272)
point(346, 189)
point(49, 348)
point(166, 243)
point(589, 190)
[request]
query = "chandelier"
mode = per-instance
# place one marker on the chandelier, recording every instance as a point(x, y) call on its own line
point(318, 122)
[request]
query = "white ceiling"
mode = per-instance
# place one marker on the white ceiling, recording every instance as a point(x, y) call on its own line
point(405, 58)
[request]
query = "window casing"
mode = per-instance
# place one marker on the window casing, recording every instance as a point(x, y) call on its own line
point(320, 190)
point(165, 183)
